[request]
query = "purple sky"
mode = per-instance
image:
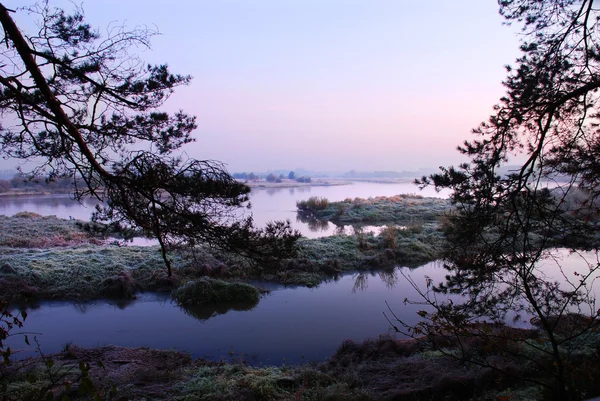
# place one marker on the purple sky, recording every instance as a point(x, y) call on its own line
point(326, 84)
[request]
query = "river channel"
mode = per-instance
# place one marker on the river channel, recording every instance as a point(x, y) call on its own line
point(288, 325)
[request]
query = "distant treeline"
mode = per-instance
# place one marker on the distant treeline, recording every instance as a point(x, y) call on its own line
point(380, 174)
point(23, 183)
point(270, 177)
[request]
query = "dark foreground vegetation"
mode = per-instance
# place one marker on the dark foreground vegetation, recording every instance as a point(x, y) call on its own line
point(377, 369)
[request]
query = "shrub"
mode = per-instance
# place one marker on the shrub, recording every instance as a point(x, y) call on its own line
point(303, 179)
point(388, 237)
point(207, 290)
point(313, 203)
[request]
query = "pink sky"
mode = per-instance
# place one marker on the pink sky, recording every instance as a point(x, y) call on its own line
point(326, 84)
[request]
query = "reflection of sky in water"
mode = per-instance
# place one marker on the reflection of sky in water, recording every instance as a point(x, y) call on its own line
point(286, 325)
point(47, 205)
point(268, 204)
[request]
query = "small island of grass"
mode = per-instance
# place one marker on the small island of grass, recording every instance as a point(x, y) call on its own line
point(381, 209)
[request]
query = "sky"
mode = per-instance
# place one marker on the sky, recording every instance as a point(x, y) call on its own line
point(324, 84)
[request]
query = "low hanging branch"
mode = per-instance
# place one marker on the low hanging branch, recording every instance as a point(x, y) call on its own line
point(81, 102)
point(510, 220)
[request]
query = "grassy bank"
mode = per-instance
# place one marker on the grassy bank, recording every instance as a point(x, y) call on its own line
point(90, 271)
point(323, 258)
point(51, 258)
point(378, 369)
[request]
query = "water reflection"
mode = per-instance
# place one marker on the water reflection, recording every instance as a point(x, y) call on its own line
point(361, 282)
point(290, 325)
point(389, 277)
point(83, 307)
point(206, 312)
point(340, 230)
point(272, 191)
point(313, 224)
point(120, 304)
point(268, 204)
point(282, 190)
point(323, 226)
point(62, 206)
point(200, 312)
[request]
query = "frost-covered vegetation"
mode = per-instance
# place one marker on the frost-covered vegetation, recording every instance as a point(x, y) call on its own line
point(207, 290)
point(51, 258)
point(398, 209)
point(326, 257)
point(30, 230)
point(382, 368)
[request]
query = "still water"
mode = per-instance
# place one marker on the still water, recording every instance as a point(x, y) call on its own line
point(288, 325)
point(268, 204)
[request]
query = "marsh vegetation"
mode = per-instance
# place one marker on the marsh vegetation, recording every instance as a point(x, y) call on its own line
point(52, 258)
point(495, 234)
point(403, 209)
point(378, 368)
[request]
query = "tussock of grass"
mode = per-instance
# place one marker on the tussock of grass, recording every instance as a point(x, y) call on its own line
point(312, 204)
point(210, 291)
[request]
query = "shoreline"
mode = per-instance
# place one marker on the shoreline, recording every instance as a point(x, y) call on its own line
point(324, 182)
point(380, 368)
point(32, 193)
point(258, 184)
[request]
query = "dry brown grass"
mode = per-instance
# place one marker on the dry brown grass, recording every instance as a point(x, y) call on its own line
point(126, 373)
point(406, 370)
